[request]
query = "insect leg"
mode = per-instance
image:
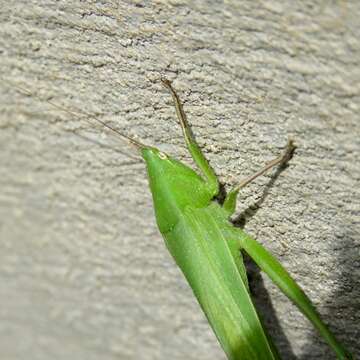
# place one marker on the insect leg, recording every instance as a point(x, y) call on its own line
point(191, 143)
point(230, 200)
point(277, 273)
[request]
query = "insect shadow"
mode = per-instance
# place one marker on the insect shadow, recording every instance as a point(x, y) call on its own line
point(260, 295)
point(347, 315)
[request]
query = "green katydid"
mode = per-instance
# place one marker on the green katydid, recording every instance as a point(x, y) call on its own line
point(207, 247)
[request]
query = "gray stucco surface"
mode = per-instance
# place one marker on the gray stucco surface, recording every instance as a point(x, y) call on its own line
point(84, 273)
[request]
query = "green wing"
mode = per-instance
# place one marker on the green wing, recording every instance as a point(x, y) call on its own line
point(201, 250)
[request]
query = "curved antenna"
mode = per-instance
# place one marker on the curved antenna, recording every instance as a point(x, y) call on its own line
point(129, 139)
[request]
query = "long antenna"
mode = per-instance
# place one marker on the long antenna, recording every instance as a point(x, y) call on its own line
point(132, 141)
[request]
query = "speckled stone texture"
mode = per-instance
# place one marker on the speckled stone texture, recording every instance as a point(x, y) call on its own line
point(84, 273)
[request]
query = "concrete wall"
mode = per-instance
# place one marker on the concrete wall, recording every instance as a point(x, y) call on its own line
point(84, 274)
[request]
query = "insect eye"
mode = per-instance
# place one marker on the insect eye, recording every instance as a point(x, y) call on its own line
point(162, 156)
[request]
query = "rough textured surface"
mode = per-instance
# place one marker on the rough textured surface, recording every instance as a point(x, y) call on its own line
point(84, 273)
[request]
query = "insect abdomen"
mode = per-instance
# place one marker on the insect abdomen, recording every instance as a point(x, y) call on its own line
point(200, 249)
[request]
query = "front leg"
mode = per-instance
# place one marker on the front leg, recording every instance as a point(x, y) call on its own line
point(230, 200)
point(193, 147)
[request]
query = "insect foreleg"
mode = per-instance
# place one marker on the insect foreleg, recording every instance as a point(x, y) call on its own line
point(230, 200)
point(191, 143)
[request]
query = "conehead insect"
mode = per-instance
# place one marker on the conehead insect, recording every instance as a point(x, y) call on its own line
point(208, 248)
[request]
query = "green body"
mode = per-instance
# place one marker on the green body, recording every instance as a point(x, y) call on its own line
point(197, 234)
point(207, 248)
